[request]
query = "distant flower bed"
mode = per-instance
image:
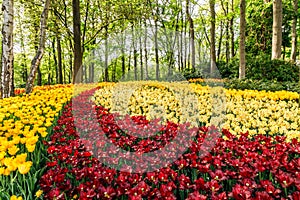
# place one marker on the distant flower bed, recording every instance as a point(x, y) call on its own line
point(263, 167)
point(258, 112)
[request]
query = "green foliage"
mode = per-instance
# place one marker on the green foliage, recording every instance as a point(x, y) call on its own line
point(268, 85)
point(230, 69)
point(192, 73)
point(250, 84)
point(259, 27)
point(263, 68)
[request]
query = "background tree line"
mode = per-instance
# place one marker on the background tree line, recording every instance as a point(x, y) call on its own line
point(51, 42)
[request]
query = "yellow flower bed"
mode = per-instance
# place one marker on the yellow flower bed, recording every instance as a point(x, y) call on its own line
point(259, 112)
point(169, 101)
point(23, 120)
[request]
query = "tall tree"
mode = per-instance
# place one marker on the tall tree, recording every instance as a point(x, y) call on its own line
point(135, 55)
point(59, 59)
point(38, 57)
point(7, 82)
point(242, 39)
point(146, 51)
point(192, 33)
point(277, 29)
point(294, 31)
point(232, 29)
point(77, 64)
point(92, 65)
point(226, 9)
point(141, 51)
point(213, 66)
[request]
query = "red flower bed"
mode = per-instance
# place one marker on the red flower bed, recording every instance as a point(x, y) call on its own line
point(83, 165)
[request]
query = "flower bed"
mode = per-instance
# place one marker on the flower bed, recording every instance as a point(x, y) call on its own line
point(258, 112)
point(263, 167)
point(24, 121)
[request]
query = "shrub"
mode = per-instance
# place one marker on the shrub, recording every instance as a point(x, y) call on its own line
point(261, 68)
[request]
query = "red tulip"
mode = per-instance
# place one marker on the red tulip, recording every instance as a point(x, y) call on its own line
point(240, 192)
point(196, 196)
point(284, 179)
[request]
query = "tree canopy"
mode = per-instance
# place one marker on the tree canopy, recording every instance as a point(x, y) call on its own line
point(152, 39)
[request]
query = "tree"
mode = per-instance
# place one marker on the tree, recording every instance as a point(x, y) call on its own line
point(277, 29)
point(294, 31)
point(59, 63)
point(242, 39)
point(38, 57)
point(232, 29)
point(192, 33)
point(226, 10)
point(7, 82)
point(212, 36)
point(77, 65)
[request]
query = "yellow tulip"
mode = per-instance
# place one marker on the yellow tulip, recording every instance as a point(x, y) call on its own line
point(2, 171)
point(39, 193)
point(6, 172)
point(13, 150)
point(21, 158)
point(2, 155)
point(25, 167)
point(14, 197)
point(30, 147)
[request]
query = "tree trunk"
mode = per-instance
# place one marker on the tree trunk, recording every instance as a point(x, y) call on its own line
point(220, 41)
point(49, 69)
point(123, 55)
point(192, 34)
point(226, 10)
point(294, 31)
point(232, 30)
point(156, 50)
point(39, 76)
point(64, 77)
point(134, 53)
point(55, 60)
point(146, 52)
point(38, 57)
point(36, 46)
point(277, 29)
point(129, 64)
point(70, 62)
point(113, 73)
point(141, 52)
point(212, 37)
point(242, 39)
point(7, 84)
point(185, 46)
point(181, 43)
point(283, 45)
point(199, 50)
point(92, 65)
point(123, 62)
point(178, 50)
point(106, 58)
point(77, 65)
point(85, 72)
point(60, 73)
point(227, 51)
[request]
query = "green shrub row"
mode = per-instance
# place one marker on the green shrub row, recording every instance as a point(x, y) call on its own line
point(267, 85)
point(261, 68)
